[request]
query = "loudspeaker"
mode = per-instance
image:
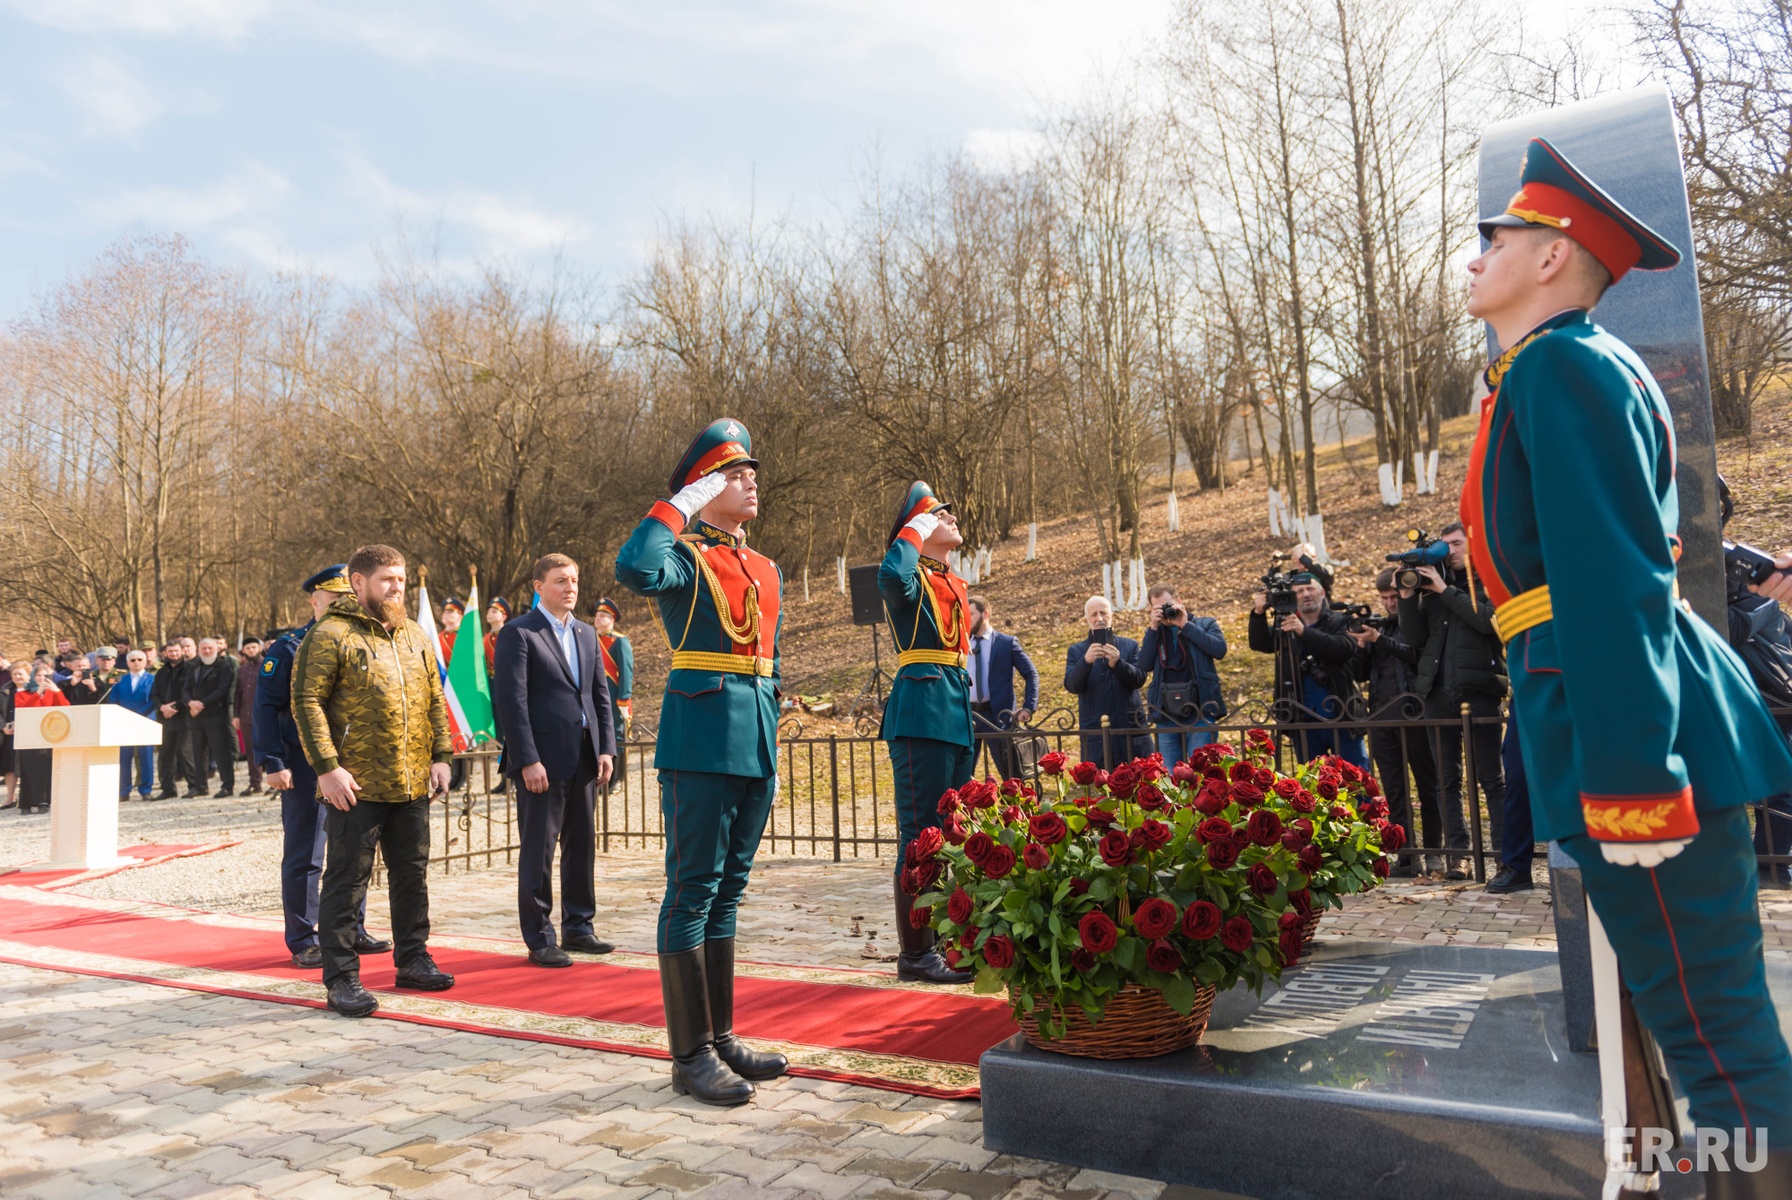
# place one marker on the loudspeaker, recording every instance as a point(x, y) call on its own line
point(867, 604)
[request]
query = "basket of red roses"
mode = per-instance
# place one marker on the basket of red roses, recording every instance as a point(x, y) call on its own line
point(1112, 906)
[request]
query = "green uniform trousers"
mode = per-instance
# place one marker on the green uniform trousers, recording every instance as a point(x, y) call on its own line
point(1688, 937)
point(713, 824)
point(925, 770)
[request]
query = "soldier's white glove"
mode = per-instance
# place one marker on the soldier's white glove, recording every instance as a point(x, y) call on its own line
point(692, 497)
point(923, 524)
point(1642, 854)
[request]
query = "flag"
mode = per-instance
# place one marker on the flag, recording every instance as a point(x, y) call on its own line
point(426, 621)
point(469, 692)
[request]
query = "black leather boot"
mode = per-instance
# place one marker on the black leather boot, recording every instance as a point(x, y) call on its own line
point(1772, 1180)
point(919, 962)
point(748, 1063)
point(696, 1068)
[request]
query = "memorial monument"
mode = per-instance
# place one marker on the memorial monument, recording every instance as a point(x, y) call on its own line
point(84, 742)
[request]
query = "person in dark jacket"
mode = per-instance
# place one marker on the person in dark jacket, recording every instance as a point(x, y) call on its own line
point(79, 685)
point(995, 658)
point(1179, 653)
point(1388, 661)
point(242, 706)
point(1099, 672)
point(171, 759)
point(1460, 662)
point(1315, 674)
point(205, 694)
point(131, 692)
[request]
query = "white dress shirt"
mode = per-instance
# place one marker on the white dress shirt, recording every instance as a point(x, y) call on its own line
point(569, 647)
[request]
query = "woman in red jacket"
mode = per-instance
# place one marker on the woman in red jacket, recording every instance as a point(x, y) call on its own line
point(34, 765)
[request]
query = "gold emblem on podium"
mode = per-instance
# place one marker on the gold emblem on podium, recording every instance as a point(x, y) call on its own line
point(55, 727)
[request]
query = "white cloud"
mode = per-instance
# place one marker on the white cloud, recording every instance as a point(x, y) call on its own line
point(18, 162)
point(500, 224)
point(157, 18)
point(252, 190)
point(113, 101)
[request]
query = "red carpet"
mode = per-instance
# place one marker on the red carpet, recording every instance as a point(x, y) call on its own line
point(146, 856)
point(856, 1026)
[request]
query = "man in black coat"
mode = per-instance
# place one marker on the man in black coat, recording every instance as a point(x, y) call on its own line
point(1387, 660)
point(206, 689)
point(165, 694)
point(1099, 672)
point(552, 702)
point(1315, 676)
point(994, 659)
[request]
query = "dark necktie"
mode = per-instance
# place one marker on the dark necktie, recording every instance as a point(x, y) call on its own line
point(982, 669)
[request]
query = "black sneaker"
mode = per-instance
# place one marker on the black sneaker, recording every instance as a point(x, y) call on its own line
point(421, 974)
point(349, 998)
point(1509, 880)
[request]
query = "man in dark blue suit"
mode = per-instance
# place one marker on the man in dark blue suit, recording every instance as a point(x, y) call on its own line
point(553, 707)
point(1179, 652)
point(994, 658)
point(1099, 672)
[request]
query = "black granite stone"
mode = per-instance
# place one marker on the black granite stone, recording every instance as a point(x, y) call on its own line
point(1627, 143)
point(1574, 952)
point(1376, 1070)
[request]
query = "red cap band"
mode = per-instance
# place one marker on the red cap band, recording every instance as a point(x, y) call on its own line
point(1604, 238)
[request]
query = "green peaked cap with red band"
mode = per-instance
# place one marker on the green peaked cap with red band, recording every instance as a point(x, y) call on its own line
point(1553, 194)
point(920, 499)
point(723, 443)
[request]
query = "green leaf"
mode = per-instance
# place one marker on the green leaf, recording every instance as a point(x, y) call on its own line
point(1179, 994)
point(989, 981)
point(1209, 972)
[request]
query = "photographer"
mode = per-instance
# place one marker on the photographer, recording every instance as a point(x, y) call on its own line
point(1314, 666)
point(1388, 662)
point(1099, 672)
point(1179, 652)
point(1461, 662)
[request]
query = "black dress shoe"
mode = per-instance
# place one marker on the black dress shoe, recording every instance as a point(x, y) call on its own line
point(349, 998)
point(223, 794)
point(585, 943)
point(550, 956)
point(421, 974)
point(366, 943)
point(1509, 880)
point(169, 794)
point(309, 959)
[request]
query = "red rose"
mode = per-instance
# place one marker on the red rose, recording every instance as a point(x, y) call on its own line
point(1247, 794)
point(1237, 934)
point(1262, 880)
point(1302, 901)
point(1291, 920)
point(1393, 837)
point(1099, 933)
point(1265, 778)
point(1154, 834)
point(1201, 920)
point(1161, 956)
point(920, 916)
point(978, 846)
point(1311, 861)
point(1303, 827)
point(1372, 787)
point(1264, 827)
point(1081, 961)
point(1380, 867)
point(1289, 943)
point(1215, 794)
point(927, 843)
point(1223, 750)
point(1116, 848)
point(1223, 853)
point(1213, 829)
point(1048, 828)
point(1155, 918)
point(959, 907)
point(1373, 810)
point(910, 881)
point(1184, 773)
point(998, 952)
point(1340, 813)
point(1052, 762)
point(1303, 801)
point(1037, 857)
point(1286, 788)
point(1293, 842)
point(1149, 797)
point(1326, 788)
point(1011, 788)
point(979, 793)
point(1085, 773)
point(953, 958)
point(1099, 817)
point(1079, 887)
point(1259, 737)
point(950, 803)
point(999, 862)
point(1011, 814)
point(1124, 780)
point(1242, 773)
point(955, 830)
point(1151, 767)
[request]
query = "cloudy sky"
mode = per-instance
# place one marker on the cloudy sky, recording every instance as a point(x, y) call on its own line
point(281, 134)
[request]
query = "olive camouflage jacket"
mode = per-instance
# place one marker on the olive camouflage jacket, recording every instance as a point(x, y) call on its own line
point(370, 700)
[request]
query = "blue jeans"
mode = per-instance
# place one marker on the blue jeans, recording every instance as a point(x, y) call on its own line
point(1177, 746)
point(145, 758)
point(1311, 743)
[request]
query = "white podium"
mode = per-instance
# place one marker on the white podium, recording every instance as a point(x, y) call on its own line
point(84, 742)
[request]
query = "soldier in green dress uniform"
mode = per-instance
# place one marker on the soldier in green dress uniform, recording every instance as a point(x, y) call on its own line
point(1643, 739)
point(717, 755)
point(927, 722)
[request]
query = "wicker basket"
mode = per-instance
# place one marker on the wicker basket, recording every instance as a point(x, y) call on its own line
point(1309, 929)
point(1136, 1024)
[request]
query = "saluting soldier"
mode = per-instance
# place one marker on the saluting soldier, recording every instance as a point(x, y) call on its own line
point(927, 722)
point(1644, 741)
point(274, 743)
point(717, 754)
point(619, 667)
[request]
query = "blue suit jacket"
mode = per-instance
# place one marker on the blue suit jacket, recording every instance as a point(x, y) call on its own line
point(538, 703)
point(133, 695)
point(273, 738)
point(1005, 658)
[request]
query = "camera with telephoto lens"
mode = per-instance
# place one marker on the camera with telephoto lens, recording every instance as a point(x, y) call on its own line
point(1426, 551)
point(1170, 611)
point(1363, 617)
point(1278, 587)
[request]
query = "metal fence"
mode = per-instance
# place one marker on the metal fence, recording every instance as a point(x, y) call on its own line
point(836, 797)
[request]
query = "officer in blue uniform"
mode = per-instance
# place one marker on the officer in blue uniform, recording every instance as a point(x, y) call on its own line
point(1644, 741)
point(275, 744)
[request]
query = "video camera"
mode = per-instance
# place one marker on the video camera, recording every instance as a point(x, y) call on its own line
point(1363, 617)
point(1426, 551)
point(1278, 587)
point(1745, 565)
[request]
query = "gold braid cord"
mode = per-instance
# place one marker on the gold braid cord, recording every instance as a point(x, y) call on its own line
point(747, 632)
